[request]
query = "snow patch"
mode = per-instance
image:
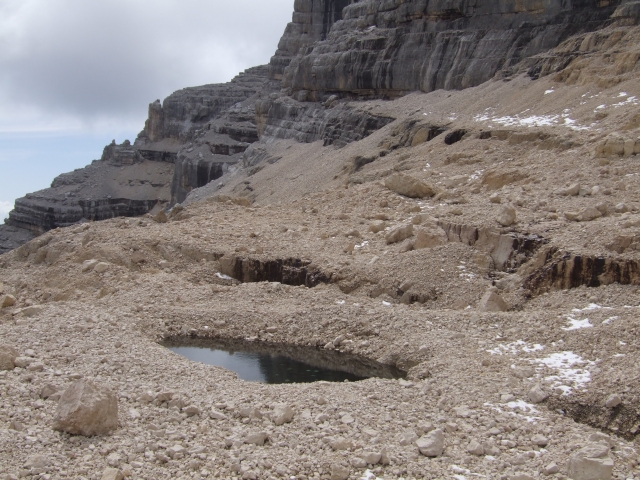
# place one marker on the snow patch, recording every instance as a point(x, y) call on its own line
point(567, 377)
point(369, 475)
point(588, 308)
point(362, 245)
point(523, 406)
point(531, 120)
point(514, 347)
point(577, 324)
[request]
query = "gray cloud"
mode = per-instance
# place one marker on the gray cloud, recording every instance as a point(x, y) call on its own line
point(83, 61)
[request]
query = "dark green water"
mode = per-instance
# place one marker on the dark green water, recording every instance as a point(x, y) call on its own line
point(274, 363)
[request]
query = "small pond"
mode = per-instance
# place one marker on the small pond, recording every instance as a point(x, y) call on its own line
point(277, 363)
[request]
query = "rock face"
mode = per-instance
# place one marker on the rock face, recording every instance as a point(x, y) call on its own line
point(312, 20)
point(87, 409)
point(306, 122)
point(192, 108)
point(391, 48)
point(99, 191)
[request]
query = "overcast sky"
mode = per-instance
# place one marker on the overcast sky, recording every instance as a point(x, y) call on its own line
point(76, 73)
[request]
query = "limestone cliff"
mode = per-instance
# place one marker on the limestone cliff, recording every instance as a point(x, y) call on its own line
point(312, 20)
point(390, 48)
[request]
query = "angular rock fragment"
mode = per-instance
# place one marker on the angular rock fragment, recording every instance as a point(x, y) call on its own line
point(540, 440)
point(408, 186)
point(591, 462)
point(282, 414)
point(257, 438)
point(8, 356)
point(429, 238)
point(507, 216)
point(101, 267)
point(551, 469)
point(38, 462)
point(399, 234)
point(431, 444)
point(88, 409)
point(492, 302)
point(377, 226)
point(23, 362)
point(112, 474)
point(588, 214)
point(7, 301)
point(339, 472)
point(89, 265)
point(371, 458)
point(613, 401)
point(572, 190)
point(475, 448)
point(537, 394)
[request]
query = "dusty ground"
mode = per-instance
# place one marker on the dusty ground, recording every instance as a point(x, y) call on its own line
point(470, 371)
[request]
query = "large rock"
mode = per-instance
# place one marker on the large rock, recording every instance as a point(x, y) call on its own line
point(408, 186)
point(399, 233)
point(429, 237)
point(8, 356)
point(591, 462)
point(492, 302)
point(86, 408)
point(431, 444)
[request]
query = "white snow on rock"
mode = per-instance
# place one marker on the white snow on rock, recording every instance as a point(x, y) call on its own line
point(610, 320)
point(520, 120)
point(369, 475)
point(522, 406)
point(588, 308)
point(577, 324)
point(567, 377)
point(514, 347)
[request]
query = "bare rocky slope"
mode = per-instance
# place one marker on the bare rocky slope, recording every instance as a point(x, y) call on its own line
point(484, 240)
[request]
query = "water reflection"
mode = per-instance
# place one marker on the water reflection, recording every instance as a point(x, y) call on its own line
point(277, 363)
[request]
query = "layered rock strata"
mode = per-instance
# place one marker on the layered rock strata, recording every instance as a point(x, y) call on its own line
point(334, 123)
point(312, 20)
point(391, 48)
point(122, 183)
